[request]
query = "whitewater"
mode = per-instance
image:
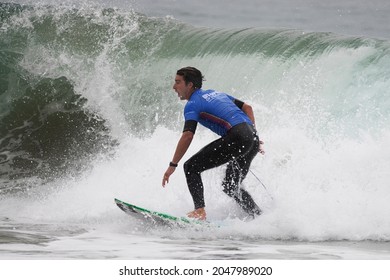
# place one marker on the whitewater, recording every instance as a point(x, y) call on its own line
point(88, 114)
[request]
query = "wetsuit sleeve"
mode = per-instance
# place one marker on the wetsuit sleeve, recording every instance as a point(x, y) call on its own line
point(236, 101)
point(190, 125)
point(239, 103)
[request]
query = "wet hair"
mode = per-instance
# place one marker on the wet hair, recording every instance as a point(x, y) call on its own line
point(191, 74)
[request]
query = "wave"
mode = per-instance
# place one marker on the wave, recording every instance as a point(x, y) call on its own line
point(109, 70)
point(86, 87)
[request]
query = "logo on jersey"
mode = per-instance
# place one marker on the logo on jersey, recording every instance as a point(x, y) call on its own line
point(210, 96)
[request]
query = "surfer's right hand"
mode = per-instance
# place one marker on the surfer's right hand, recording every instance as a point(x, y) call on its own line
point(167, 174)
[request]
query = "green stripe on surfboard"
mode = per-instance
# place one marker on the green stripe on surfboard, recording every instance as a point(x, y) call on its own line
point(159, 214)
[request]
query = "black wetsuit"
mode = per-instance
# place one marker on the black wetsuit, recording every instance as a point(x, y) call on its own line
point(238, 146)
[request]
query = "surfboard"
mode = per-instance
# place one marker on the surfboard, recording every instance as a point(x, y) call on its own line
point(155, 217)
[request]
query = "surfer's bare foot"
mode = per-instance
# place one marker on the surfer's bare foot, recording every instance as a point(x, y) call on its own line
point(199, 214)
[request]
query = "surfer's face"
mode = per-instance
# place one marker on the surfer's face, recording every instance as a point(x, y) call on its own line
point(182, 89)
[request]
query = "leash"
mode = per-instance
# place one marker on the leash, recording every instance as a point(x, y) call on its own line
point(258, 179)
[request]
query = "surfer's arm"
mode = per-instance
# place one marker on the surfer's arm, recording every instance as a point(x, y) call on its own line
point(181, 148)
point(182, 145)
point(247, 109)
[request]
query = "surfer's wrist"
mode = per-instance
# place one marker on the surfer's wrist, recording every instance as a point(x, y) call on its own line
point(172, 164)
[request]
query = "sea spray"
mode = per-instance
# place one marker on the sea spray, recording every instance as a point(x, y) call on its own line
point(87, 106)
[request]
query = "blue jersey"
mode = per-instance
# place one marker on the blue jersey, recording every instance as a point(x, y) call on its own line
point(214, 110)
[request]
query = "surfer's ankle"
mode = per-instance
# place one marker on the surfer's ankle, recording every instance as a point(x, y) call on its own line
point(199, 214)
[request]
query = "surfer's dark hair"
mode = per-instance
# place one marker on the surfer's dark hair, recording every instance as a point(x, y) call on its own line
point(191, 74)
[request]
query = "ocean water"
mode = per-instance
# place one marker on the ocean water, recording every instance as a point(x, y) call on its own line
point(87, 114)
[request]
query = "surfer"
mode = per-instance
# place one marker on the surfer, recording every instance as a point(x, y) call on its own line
point(231, 119)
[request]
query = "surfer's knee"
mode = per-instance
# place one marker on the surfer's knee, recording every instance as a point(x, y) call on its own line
point(186, 167)
point(189, 167)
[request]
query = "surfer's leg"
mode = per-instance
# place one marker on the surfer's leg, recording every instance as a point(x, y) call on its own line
point(231, 187)
point(214, 154)
point(195, 184)
point(236, 172)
